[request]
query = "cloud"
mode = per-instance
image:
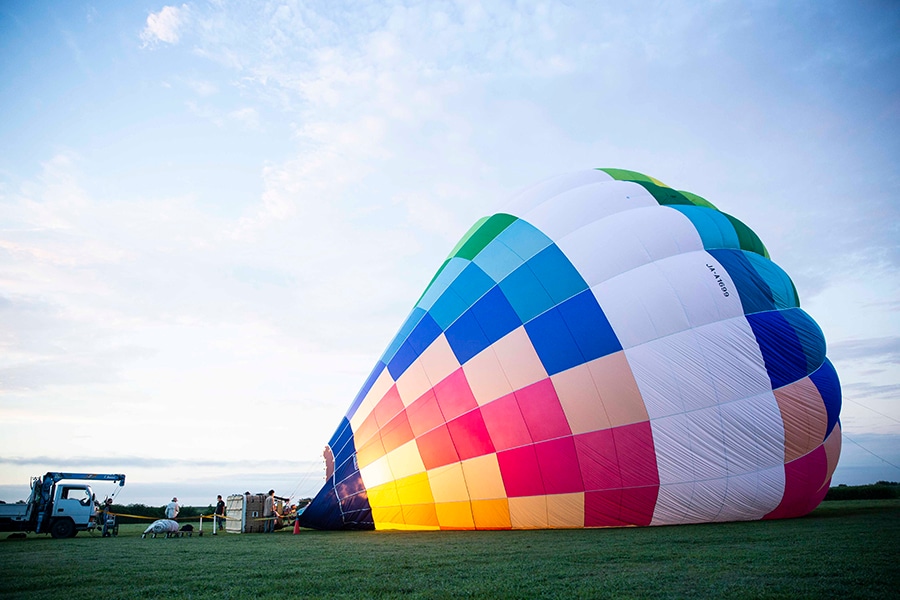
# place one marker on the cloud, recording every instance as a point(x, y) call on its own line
point(879, 350)
point(867, 395)
point(123, 462)
point(248, 117)
point(203, 87)
point(164, 26)
point(868, 457)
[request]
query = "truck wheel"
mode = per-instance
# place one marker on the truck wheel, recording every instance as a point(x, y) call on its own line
point(62, 528)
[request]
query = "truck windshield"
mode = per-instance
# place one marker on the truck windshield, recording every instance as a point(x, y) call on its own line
point(83, 495)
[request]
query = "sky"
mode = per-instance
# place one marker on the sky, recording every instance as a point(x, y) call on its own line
point(214, 216)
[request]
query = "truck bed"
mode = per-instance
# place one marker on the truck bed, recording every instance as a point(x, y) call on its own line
point(15, 512)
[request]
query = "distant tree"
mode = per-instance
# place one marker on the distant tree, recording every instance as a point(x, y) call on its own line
point(155, 512)
point(139, 510)
point(883, 490)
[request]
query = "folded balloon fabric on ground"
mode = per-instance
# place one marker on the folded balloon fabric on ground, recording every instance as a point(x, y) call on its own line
point(605, 351)
point(162, 526)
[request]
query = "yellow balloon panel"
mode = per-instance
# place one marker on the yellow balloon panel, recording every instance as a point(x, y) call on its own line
point(455, 515)
point(414, 489)
point(384, 495)
point(420, 516)
point(491, 514)
point(448, 483)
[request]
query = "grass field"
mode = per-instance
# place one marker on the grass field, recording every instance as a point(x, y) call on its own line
point(842, 550)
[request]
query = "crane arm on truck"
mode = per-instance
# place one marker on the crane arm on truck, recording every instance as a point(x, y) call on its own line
point(42, 489)
point(56, 476)
point(42, 494)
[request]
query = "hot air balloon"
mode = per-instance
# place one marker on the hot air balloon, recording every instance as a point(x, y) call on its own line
point(606, 351)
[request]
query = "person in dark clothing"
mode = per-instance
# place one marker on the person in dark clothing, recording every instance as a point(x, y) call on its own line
point(220, 511)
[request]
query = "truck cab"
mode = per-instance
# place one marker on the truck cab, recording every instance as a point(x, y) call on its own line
point(75, 501)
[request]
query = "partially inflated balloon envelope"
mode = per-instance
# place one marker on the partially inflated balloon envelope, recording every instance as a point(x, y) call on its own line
point(606, 351)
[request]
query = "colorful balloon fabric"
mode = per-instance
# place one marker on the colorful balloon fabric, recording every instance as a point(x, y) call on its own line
point(606, 351)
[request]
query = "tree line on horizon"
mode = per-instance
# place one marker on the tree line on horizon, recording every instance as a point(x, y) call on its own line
point(881, 490)
point(155, 512)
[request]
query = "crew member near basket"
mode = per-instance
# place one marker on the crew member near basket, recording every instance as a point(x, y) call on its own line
point(220, 512)
point(269, 513)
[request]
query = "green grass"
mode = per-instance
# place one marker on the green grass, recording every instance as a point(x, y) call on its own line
point(842, 550)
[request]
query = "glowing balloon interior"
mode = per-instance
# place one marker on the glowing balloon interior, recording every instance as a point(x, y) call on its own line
point(606, 351)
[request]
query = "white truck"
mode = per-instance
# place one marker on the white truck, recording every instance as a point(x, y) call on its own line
point(56, 506)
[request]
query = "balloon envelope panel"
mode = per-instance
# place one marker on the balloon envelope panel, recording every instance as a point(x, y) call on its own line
point(606, 351)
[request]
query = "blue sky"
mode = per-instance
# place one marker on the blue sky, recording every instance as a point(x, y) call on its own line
point(215, 215)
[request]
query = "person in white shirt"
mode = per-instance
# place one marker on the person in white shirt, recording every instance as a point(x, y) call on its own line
point(172, 509)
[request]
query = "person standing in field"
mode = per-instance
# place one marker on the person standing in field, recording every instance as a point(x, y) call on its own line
point(269, 513)
point(172, 509)
point(220, 511)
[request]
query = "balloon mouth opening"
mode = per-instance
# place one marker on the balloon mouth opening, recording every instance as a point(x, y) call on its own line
point(328, 457)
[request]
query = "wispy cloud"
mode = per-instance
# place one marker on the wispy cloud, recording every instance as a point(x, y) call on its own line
point(165, 25)
point(879, 350)
point(866, 394)
point(61, 462)
point(247, 117)
point(868, 457)
point(203, 87)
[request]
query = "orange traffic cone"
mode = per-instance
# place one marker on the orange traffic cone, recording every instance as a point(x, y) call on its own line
point(296, 526)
